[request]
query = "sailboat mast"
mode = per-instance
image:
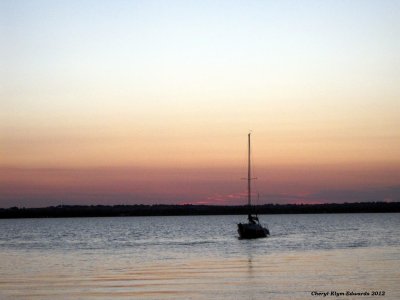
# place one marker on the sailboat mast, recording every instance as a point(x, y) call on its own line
point(249, 176)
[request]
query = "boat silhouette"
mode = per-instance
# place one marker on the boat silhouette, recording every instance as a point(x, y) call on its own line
point(253, 229)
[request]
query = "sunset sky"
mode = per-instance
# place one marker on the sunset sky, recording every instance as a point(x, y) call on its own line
point(145, 102)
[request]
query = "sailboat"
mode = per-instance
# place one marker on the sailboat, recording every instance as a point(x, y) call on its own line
point(253, 229)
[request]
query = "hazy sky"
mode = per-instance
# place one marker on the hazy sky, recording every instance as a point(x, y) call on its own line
point(151, 101)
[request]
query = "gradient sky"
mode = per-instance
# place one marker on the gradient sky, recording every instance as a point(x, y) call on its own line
point(125, 102)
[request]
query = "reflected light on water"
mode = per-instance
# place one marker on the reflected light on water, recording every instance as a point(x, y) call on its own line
point(291, 275)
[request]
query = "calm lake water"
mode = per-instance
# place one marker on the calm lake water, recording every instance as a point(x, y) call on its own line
point(200, 257)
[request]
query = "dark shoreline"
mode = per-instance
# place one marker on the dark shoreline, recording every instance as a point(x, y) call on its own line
point(73, 211)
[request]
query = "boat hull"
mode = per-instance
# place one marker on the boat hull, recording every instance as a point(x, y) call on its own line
point(252, 231)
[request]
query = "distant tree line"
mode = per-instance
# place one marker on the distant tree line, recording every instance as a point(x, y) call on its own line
point(66, 211)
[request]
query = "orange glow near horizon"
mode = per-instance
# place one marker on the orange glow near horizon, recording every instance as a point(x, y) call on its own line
point(123, 164)
point(207, 185)
point(170, 146)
